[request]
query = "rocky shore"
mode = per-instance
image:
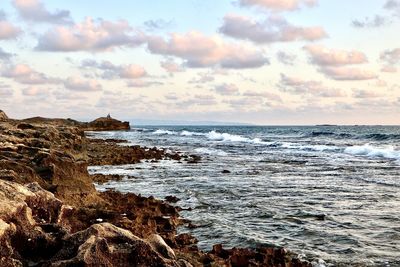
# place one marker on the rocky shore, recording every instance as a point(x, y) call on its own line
point(51, 214)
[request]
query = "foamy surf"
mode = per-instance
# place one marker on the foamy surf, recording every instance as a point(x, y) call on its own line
point(368, 150)
point(164, 132)
point(226, 137)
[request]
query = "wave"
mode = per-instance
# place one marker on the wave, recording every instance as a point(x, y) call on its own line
point(210, 151)
point(164, 132)
point(374, 152)
point(226, 137)
point(187, 133)
point(382, 137)
point(310, 147)
point(317, 133)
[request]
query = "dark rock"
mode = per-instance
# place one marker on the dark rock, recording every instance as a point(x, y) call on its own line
point(226, 171)
point(172, 199)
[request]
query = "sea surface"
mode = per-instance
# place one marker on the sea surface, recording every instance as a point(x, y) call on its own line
point(329, 193)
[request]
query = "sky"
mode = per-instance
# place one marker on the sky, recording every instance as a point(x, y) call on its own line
point(267, 62)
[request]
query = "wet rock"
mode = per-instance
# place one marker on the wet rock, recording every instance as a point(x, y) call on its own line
point(226, 171)
point(193, 159)
point(172, 199)
point(104, 178)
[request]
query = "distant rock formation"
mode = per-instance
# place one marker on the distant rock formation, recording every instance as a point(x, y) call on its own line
point(106, 124)
point(3, 116)
point(101, 124)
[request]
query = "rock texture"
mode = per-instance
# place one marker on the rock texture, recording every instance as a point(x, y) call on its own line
point(51, 214)
point(32, 233)
point(106, 124)
point(3, 116)
point(109, 152)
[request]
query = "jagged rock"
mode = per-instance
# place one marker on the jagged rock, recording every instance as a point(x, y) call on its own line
point(22, 210)
point(106, 245)
point(3, 116)
point(159, 245)
point(53, 156)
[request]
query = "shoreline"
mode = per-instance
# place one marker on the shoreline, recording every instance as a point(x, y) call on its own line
point(66, 222)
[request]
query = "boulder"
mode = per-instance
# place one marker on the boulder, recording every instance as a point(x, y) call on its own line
point(3, 116)
point(107, 245)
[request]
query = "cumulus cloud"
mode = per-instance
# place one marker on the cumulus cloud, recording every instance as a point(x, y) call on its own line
point(171, 66)
point(348, 74)
point(4, 55)
point(367, 22)
point(203, 77)
point(79, 84)
point(7, 29)
point(24, 74)
point(132, 72)
point(299, 86)
point(360, 93)
point(391, 57)
point(278, 5)
point(34, 10)
point(198, 50)
point(227, 89)
point(90, 35)
point(286, 58)
point(322, 56)
point(35, 91)
point(394, 6)
point(274, 29)
point(111, 71)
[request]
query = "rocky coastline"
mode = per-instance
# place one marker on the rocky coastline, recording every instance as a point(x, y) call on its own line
point(52, 215)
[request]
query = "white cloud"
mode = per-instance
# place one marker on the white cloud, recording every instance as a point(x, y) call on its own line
point(322, 56)
point(7, 29)
point(79, 84)
point(227, 89)
point(24, 74)
point(90, 35)
point(316, 88)
point(348, 74)
point(274, 29)
point(34, 10)
point(199, 50)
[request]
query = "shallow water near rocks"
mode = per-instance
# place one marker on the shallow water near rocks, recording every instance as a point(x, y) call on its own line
point(330, 193)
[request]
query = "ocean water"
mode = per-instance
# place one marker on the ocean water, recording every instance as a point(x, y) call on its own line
point(331, 194)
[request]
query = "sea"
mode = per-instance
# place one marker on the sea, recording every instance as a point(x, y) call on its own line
point(328, 193)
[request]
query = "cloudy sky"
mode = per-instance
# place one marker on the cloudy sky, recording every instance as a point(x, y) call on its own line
point(255, 61)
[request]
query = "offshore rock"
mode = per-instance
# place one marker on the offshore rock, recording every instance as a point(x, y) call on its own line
point(106, 124)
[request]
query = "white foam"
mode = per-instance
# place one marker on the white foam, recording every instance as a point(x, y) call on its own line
point(210, 151)
point(226, 137)
point(187, 133)
point(309, 147)
point(164, 132)
point(374, 152)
